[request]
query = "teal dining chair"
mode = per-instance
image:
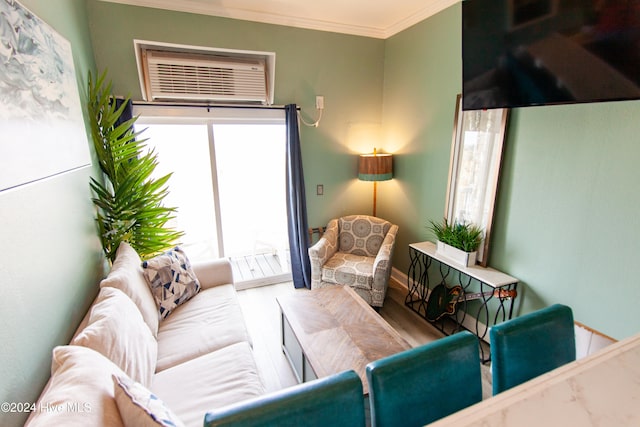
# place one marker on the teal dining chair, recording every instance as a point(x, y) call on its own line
point(423, 384)
point(530, 345)
point(336, 400)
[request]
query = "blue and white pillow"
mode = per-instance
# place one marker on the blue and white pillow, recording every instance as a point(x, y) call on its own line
point(171, 279)
point(139, 407)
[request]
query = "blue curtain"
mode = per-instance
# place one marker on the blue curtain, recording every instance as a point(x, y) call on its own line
point(127, 113)
point(296, 204)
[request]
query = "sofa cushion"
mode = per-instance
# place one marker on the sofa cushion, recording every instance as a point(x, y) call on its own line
point(117, 331)
point(211, 320)
point(126, 275)
point(351, 270)
point(139, 407)
point(214, 380)
point(171, 279)
point(80, 391)
point(361, 234)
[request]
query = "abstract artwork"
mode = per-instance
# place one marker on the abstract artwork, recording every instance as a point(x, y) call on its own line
point(42, 131)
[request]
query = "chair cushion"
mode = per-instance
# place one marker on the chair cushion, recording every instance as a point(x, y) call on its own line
point(361, 234)
point(348, 269)
point(117, 331)
point(171, 279)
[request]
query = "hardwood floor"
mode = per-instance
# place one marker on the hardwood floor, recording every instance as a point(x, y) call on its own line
point(262, 315)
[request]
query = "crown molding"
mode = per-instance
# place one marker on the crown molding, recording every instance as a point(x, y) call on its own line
point(431, 9)
point(198, 7)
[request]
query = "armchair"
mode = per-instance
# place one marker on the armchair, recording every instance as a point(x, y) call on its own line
point(355, 251)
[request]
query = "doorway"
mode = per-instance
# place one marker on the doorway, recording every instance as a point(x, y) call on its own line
point(228, 185)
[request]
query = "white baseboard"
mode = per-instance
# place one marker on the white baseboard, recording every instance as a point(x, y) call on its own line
point(401, 279)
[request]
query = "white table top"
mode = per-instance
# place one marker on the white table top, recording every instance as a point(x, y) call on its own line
point(600, 390)
point(487, 275)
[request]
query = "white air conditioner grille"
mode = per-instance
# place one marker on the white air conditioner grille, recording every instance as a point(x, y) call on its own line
point(174, 75)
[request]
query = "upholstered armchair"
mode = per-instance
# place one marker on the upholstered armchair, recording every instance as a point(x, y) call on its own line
point(355, 251)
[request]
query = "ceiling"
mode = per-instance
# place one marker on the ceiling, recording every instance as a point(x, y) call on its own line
point(370, 18)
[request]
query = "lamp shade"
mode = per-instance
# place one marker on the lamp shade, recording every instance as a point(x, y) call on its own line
point(375, 167)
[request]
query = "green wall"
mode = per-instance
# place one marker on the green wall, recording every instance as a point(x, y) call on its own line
point(51, 258)
point(567, 222)
point(346, 70)
point(422, 78)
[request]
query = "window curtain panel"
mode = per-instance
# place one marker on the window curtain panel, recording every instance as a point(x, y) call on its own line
point(296, 204)
point(127, 113)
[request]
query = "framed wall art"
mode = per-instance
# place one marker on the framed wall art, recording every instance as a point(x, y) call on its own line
point(42, 130)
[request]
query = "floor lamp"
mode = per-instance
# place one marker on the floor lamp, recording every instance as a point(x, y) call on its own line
point(375, 167)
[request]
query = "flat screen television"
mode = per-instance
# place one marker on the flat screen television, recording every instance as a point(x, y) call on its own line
point(518, 53)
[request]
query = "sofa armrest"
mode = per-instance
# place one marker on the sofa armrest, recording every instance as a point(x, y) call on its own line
point(214, 272)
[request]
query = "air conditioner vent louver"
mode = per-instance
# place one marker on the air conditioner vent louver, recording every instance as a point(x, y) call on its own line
point(180, 76)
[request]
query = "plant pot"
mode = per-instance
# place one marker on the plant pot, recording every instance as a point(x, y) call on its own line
point(467, 259)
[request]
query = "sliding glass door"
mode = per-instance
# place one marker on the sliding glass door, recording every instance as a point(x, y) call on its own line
point(184, 151)
point(228, 184)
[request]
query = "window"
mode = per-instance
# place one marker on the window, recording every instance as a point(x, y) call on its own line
point(228, 184)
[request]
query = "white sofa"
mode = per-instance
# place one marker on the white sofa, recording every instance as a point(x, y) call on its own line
point(196, 359)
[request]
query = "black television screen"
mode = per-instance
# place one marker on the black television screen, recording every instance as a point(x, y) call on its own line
point(518, 53)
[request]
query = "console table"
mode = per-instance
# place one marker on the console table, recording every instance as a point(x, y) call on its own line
point(486, 296)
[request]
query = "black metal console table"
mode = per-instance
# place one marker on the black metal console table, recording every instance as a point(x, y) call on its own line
point(492, 290)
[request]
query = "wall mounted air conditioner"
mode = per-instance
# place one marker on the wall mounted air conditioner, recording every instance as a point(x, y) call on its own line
point(190, 73)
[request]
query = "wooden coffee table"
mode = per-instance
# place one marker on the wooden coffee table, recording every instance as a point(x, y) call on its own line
point(329, 330)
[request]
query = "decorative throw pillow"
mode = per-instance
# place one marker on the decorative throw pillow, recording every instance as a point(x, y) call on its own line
point(117, 330)
point(126, 274)
point(139, 407)
point(171, 279)
point(80, 392)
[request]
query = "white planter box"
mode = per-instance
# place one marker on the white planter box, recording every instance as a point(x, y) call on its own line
point(467, 259)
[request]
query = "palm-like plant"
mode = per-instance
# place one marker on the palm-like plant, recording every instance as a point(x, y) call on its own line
point(129, 202)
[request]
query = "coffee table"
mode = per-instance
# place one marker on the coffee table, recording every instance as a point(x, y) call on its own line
point(330, 330)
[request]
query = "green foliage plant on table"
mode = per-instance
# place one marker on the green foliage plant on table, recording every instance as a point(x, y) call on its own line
point(128, 201)
point(460, 235)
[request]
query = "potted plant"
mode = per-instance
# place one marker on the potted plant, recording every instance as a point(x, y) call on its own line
point(128, 201)
point(459, 241)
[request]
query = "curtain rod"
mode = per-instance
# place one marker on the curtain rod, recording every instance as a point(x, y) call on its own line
point(209, 106)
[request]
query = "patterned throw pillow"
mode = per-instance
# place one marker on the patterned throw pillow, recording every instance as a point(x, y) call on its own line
point(171, 279)
point(141, 408)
